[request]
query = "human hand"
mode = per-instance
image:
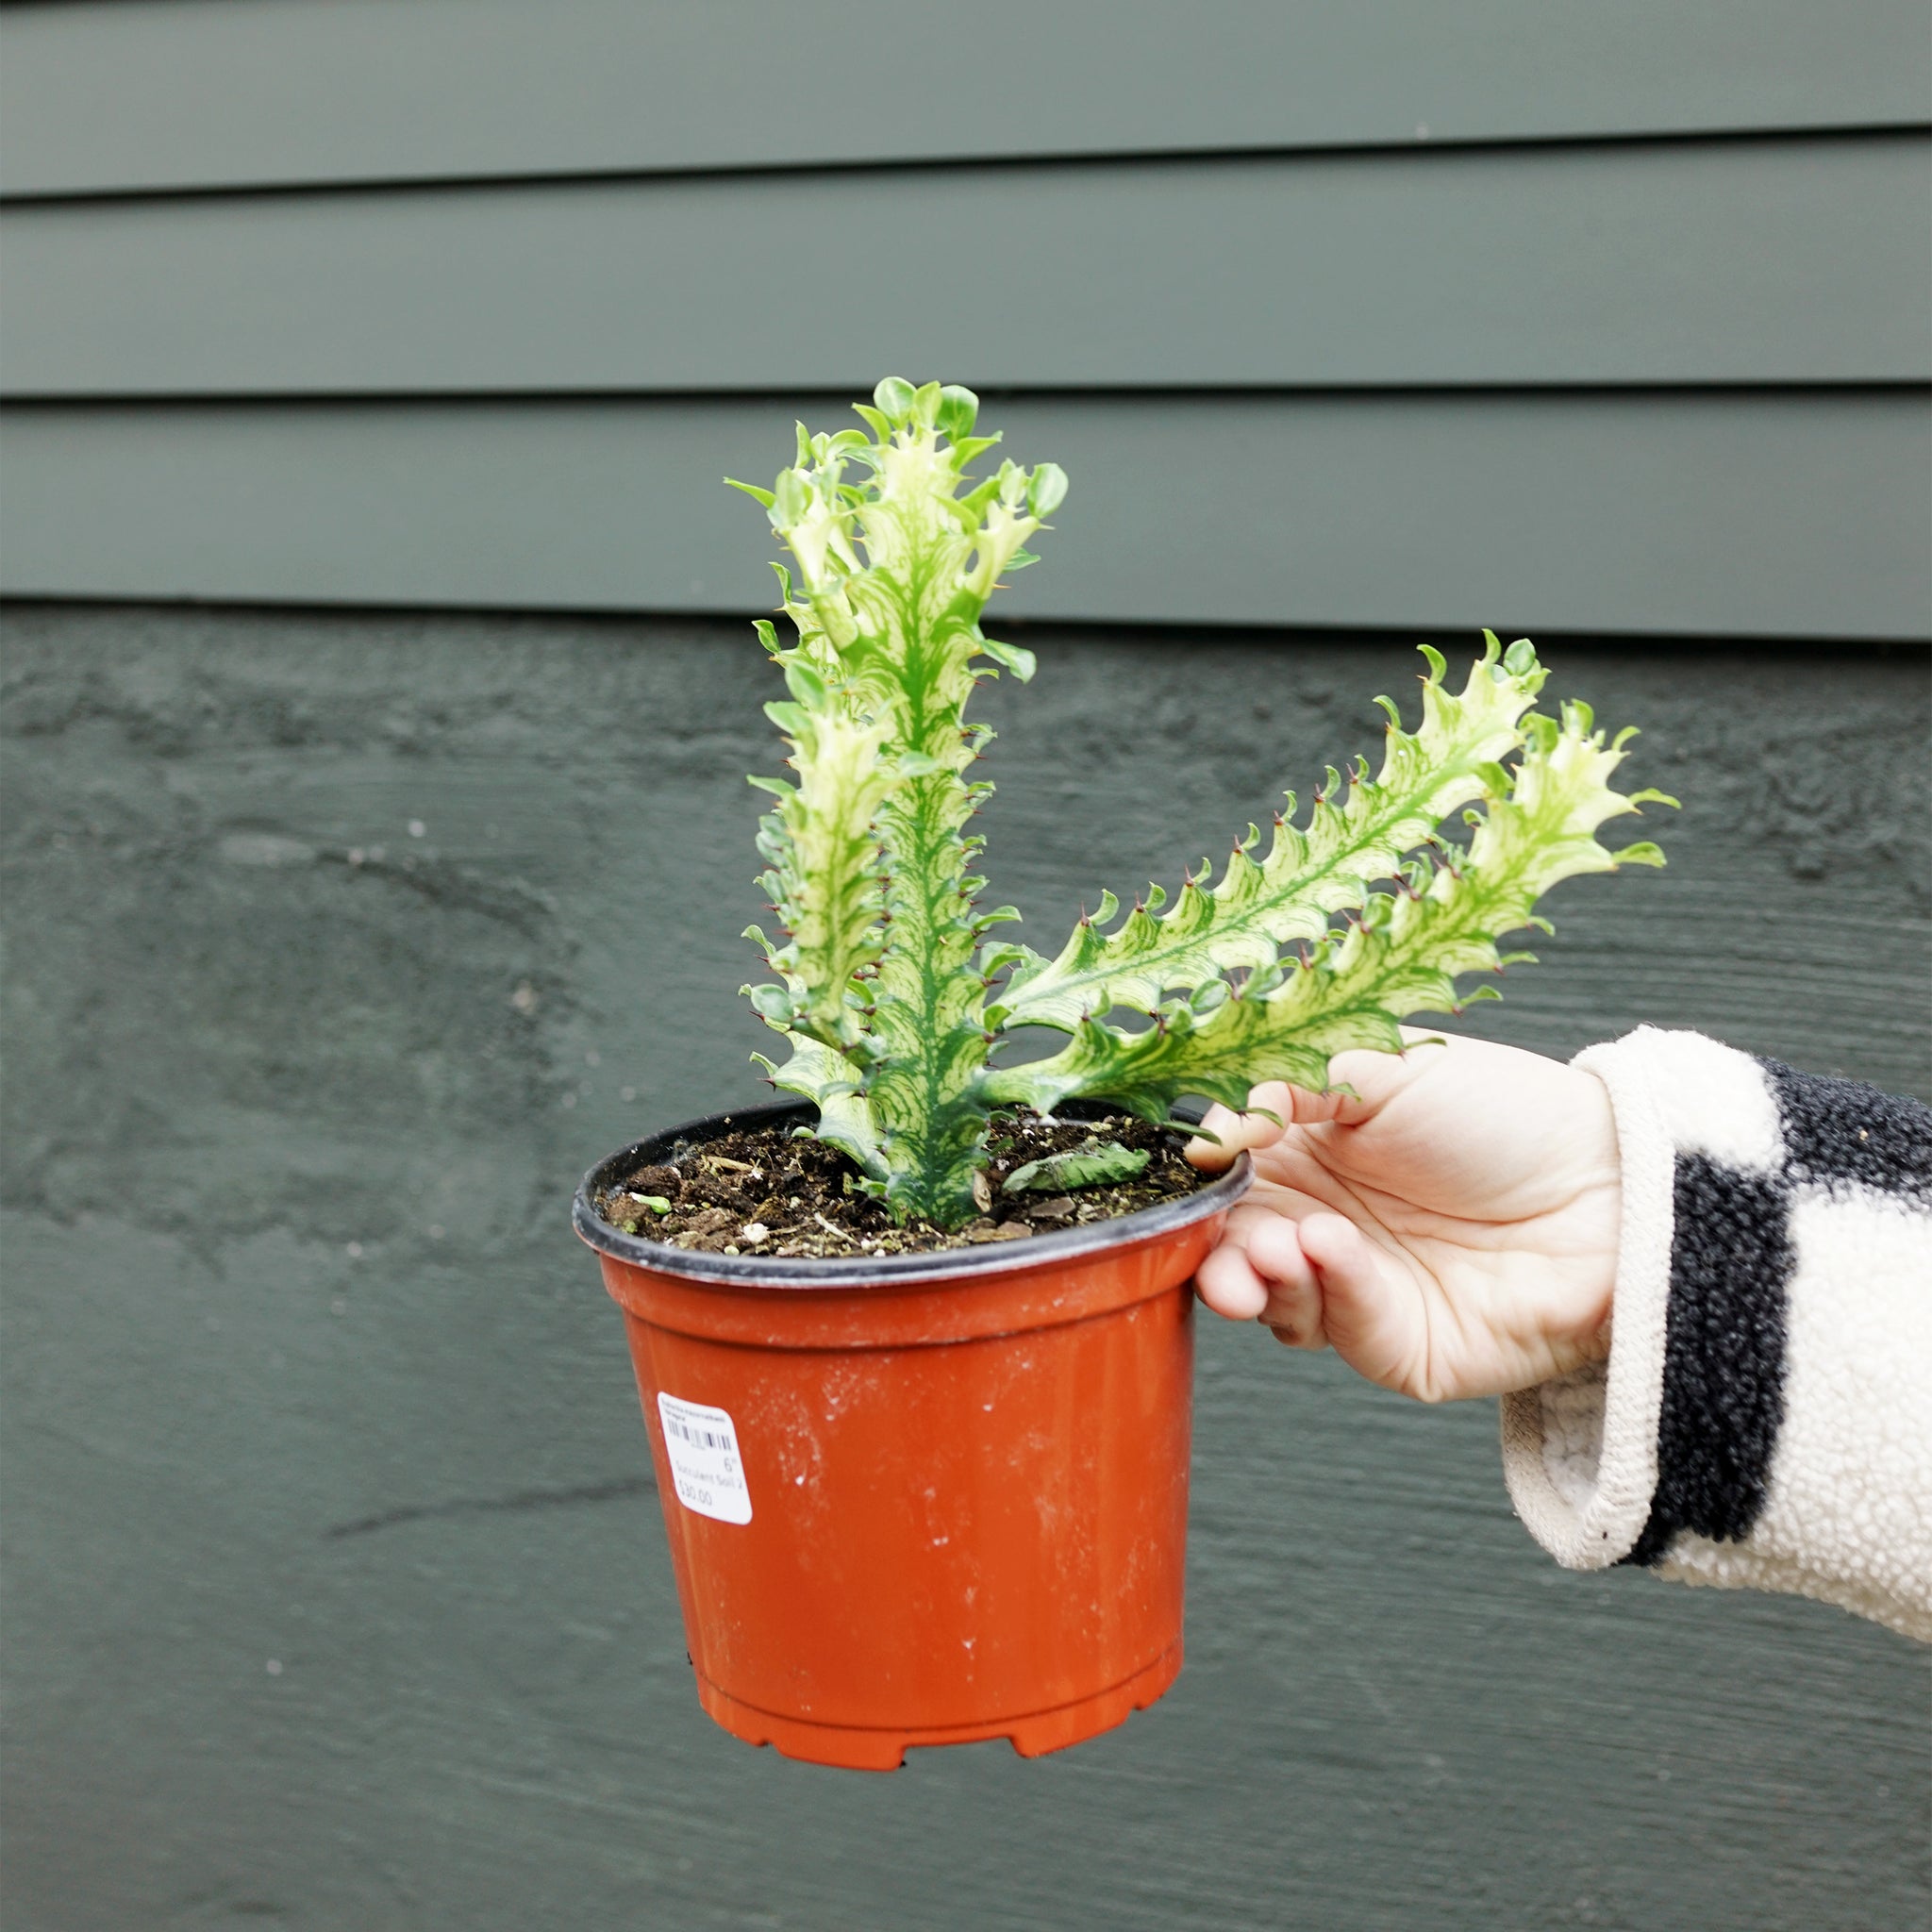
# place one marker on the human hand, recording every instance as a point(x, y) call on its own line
point(1449, 1231)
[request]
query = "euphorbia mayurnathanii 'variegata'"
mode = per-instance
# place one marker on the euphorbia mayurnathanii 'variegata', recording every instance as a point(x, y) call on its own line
point(891, 996)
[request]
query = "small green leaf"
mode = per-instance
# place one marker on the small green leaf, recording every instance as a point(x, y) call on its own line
point(793, 497)
point(1095, 1163)
point(656, 1203)
point(959, 407)
point(1015, 658)
point(1642, 853)
point(763, 496)
point(1046, 490)
point(896, 397)
point(919, 764)
point(804, 683)
point(771, 1003)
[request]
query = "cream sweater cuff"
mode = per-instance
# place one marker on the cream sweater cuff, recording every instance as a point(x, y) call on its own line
point(1765, 1417)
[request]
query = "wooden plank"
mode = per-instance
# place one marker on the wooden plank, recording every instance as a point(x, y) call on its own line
point(191, 93)
point(253, 1410)
point(1755, 514)
point(1770, 261)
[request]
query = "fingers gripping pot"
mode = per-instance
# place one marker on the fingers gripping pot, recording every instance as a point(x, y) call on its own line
point(926, 1499)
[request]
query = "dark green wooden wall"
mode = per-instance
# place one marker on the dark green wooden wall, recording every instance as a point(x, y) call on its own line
point(302, 1367)
point(338, 941)
point(1604, 318)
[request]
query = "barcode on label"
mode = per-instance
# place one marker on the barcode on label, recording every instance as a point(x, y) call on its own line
point(702, 1439)
point(701, 1444)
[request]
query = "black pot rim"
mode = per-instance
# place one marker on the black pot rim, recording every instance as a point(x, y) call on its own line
point(802, 1272)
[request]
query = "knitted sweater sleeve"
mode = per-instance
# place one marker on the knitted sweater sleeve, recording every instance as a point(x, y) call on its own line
point(1764, 1420)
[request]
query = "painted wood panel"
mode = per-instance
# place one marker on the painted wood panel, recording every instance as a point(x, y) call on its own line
point(1735, 262)
point(1755, 514)
point(304, 1364)
point(190, 93)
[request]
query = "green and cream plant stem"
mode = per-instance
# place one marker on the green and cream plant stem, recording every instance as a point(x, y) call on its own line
point(890, 995)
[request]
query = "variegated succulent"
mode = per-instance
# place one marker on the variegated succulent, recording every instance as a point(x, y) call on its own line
point(891, 996)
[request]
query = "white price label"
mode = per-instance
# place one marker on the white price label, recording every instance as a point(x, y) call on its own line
point(705, 1462)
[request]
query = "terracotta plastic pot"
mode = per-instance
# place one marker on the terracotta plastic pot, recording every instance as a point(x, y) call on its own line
point(928, 1499)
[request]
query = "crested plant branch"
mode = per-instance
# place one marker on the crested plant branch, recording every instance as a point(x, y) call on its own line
point(1359, 831)
point(895, 553)
point(1403, 955)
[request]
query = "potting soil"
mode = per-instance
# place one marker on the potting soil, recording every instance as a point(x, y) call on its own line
point(769, 1192)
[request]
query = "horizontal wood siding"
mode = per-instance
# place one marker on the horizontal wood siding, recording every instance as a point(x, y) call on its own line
point(110, 97)
point(1762, 514)
point(1609, 319)
point(302, 1362)
point(1754, 261)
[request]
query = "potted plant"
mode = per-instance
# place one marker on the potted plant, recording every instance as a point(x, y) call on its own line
point(915, 1345)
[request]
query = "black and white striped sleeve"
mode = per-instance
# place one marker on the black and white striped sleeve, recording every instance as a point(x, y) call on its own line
point(1765, 1417)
